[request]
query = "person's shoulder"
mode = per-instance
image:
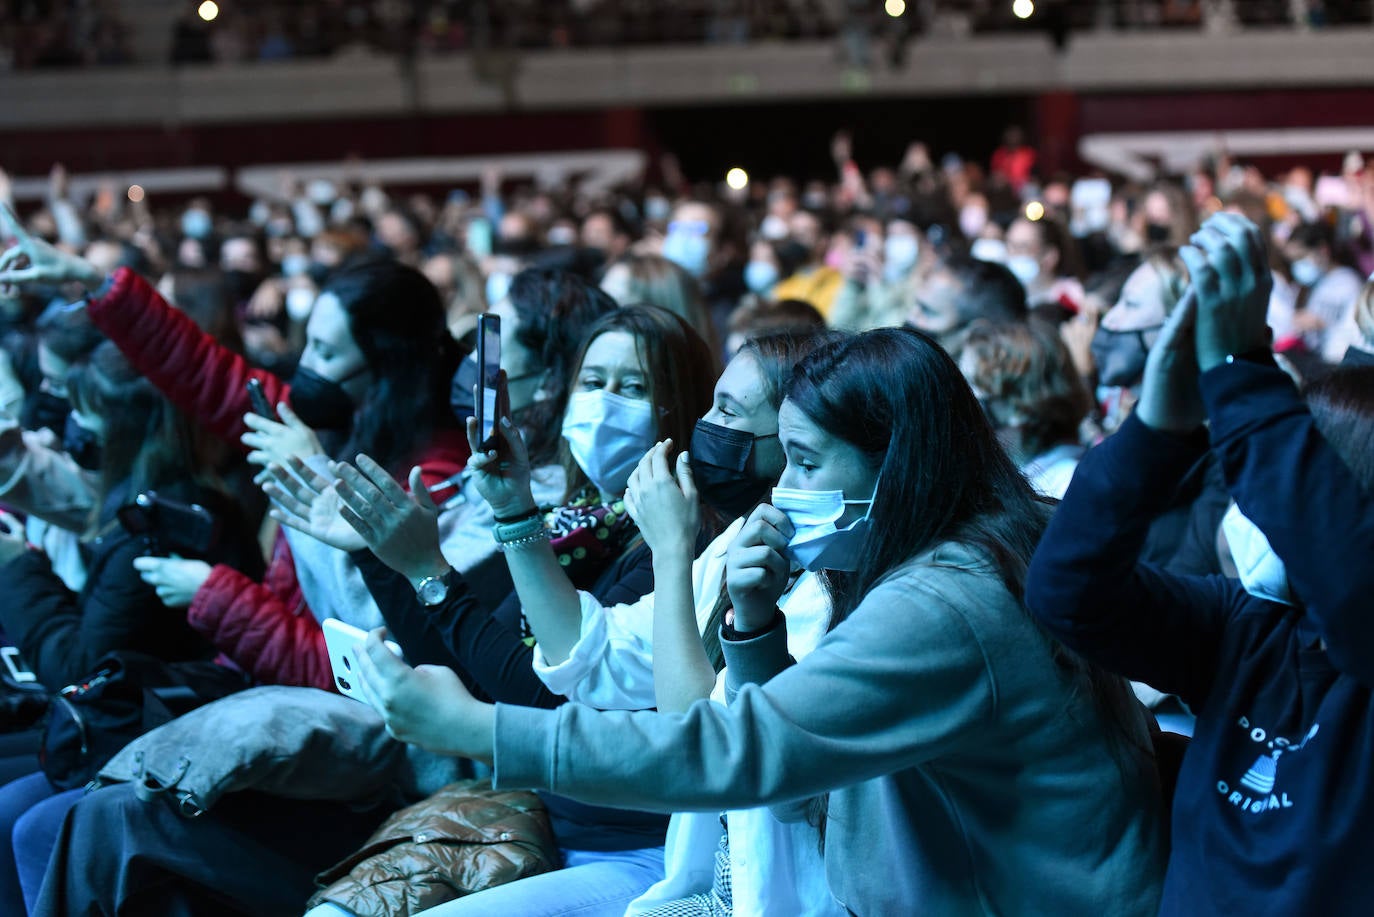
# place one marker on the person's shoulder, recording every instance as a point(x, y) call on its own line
point(956, 574)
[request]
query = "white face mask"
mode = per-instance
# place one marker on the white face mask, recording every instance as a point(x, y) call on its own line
point(1026, 268)
point(608, 434)
point(816, 542)
point(1261, 571)
point(1306, 272)
point(993, 250)
point(899, 256)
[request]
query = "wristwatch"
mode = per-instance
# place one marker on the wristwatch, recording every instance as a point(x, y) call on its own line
point(432, 589)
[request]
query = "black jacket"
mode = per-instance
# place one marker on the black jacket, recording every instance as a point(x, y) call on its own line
point(62, 634)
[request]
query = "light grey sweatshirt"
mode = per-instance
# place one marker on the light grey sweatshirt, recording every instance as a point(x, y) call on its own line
point(968, 776)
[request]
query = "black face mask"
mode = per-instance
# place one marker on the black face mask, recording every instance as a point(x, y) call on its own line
point(723, 468)
point(44, 409)
point(465, 381)
point(1157, 233)
point(81, 444)
point(1120, 355)
point(321, 403)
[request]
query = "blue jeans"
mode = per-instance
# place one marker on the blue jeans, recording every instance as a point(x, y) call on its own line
point(590, 884)
point(31, 813)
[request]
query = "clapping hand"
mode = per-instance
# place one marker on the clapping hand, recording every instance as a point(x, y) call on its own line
point(309, 503)
point(401, 528)
point(1229, 271)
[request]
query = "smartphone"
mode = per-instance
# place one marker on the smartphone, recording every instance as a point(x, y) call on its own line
point(258, 399)
point(860, 239)
point(169, 526)
point(489, 369)
point(339, 641)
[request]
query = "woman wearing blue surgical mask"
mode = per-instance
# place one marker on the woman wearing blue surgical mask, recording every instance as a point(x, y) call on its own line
point(642, 374)
point(933, 708)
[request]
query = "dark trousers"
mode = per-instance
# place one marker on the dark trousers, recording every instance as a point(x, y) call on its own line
point(250, 854)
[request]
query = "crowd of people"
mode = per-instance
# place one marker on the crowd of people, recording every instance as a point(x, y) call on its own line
point(863, 544)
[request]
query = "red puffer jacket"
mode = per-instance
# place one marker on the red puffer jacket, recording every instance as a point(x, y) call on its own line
point(264, 627)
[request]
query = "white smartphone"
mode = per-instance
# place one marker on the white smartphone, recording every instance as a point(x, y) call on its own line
point(339, 641)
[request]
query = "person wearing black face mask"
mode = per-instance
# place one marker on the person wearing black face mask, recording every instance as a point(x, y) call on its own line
point(81, 443)
point(1131, 326)
point(45, 410)
point(725, 467)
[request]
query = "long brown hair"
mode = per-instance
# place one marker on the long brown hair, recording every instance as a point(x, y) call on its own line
point(147, 443)
point(681, 371)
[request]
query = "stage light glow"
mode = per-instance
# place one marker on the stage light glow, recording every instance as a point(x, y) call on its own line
point(1022, 9)
point(208, 10)
point(894, 8)
point(1035, 211)
point(737, 179)
point(135, 193)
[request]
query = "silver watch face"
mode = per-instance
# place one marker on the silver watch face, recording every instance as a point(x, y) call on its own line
point(433, 590)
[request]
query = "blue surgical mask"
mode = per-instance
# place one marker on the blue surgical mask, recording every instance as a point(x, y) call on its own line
point(1261, 571)
point(607, 435)
point(294, 265)
point(899, 256)
point(817, 544)
point(760, 277)
point(196, 224)
point(1306, 272)
point(688, 245)
point(1026, 268)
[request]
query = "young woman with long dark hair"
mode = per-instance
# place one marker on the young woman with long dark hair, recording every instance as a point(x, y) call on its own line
point(973, 765)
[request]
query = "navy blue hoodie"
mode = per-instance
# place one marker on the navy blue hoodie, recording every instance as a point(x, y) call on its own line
point(1270, 812)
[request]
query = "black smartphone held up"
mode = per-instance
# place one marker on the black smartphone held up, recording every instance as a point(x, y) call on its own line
point(258, 399)
point(489, 368)
point(169, 526)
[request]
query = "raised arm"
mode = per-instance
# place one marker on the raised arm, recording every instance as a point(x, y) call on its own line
point(1086, 584)
point(903, 680)
point(1285, 477)
point(665, 507)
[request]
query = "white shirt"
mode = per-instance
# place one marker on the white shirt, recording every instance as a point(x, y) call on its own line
point(776, 867)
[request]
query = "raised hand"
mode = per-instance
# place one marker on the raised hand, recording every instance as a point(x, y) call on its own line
point(502, 474)
point(276, 443)
point(44, 263)
point(1229, 271)
point(757, 568)
point(309, 503)
point(663, 504)
point(401, 528)
point(1169, 397)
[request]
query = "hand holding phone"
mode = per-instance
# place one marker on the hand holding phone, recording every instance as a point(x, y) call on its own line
point(258, 399)
point(489, 374)
point(339, 641)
